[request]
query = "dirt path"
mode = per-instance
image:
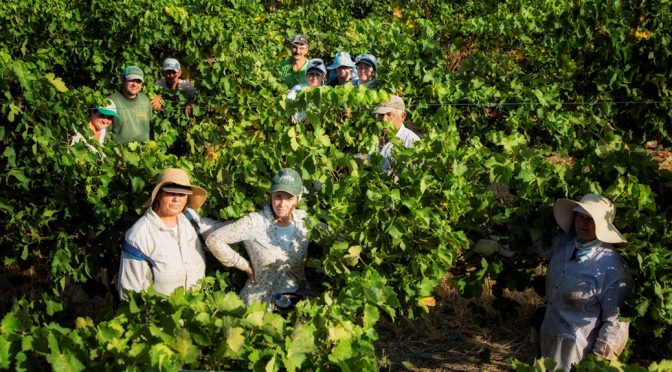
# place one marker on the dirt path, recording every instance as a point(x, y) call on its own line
point(459, 335)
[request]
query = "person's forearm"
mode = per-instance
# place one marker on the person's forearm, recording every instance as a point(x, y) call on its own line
point(612, 338)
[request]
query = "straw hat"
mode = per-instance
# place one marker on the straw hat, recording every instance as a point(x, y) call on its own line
point(598, 207)
point(178, 177)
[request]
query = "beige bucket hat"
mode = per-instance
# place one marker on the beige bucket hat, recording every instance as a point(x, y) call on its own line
point(178, 177)
point(601, 210)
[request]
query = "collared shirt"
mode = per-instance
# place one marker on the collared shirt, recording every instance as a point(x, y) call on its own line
point(78, 137)
point(183, 86)
point(177, 253)
point(406, 136)
point(290, 77)
point(583, 297)
point(277, 254)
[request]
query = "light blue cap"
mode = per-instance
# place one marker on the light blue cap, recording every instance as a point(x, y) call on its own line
point(342, 59)
point(171, 64)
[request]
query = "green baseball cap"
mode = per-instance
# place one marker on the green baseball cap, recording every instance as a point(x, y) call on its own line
point(287, 180)
point(133, 72)
point(109, 110)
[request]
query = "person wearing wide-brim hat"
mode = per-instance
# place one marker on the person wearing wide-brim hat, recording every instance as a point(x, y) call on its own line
point(367, 71)
point(586, 283)
point(342, 69)
point(275, 239)
point(163, 247)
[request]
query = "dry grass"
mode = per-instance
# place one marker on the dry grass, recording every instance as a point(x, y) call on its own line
point(659, 154)
point(454, 337)
point(562, 160)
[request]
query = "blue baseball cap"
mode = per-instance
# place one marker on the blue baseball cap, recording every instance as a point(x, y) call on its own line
point(368, 59)
point(316, 64)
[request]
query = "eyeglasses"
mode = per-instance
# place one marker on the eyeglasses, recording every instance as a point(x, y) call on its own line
point(137, 81)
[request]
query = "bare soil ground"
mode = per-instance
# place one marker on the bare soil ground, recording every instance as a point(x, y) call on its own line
point(459, 334)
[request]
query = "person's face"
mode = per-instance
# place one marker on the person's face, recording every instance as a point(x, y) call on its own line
point(364, 72)
point(314, 79)
point(299, 50)
point(131, 88)
point(584, 226)
point(344, 74)
point(395, 116)
point(171, 204)
point(283, 203)
point(171, 76)
point(100, 121)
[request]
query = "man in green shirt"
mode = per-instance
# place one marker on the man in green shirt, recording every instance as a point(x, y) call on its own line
point(133, 107)
point(292, 71)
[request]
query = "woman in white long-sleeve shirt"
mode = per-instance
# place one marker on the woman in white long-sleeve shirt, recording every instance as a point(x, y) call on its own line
point(586, 284)
point(163, 247)
point(275, 239)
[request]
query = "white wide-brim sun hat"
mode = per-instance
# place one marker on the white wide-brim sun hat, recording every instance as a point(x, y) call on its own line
point(178, 177)
point(600, 209)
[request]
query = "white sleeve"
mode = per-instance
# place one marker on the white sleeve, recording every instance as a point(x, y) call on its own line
point(206, 225)
point(134, 275)
point(219, 240)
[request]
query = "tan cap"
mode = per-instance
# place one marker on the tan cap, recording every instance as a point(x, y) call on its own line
point(395, 102)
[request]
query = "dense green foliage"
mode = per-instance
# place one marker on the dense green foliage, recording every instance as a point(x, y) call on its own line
point(518, 104)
